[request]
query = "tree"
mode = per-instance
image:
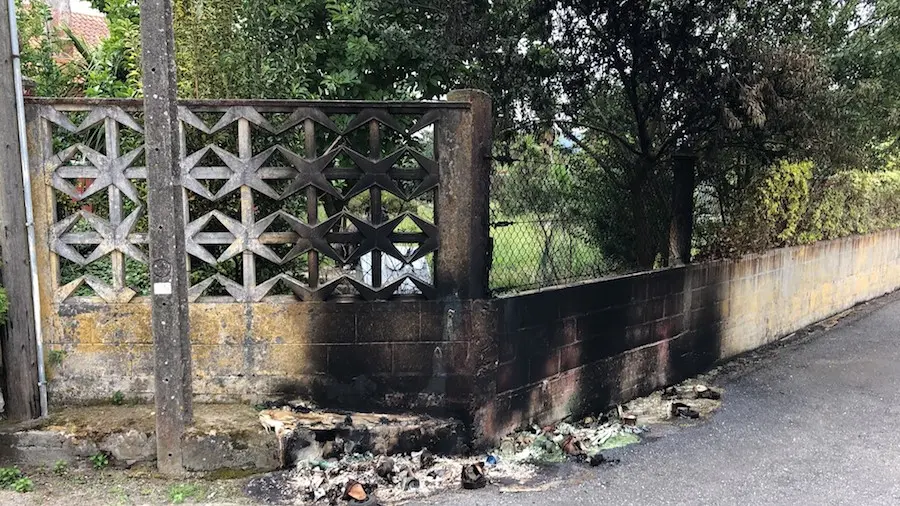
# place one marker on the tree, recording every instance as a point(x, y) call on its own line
point(340, 49)
point(639, 81)
point(113, 69)
point(40, 46)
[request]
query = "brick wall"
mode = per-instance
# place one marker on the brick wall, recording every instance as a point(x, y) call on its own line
point(577, 348)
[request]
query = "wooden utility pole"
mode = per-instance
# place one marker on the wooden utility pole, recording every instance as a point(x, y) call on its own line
point(18, 341)
point(168, 271)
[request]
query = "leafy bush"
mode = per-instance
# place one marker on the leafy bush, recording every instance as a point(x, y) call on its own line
point(99, 460)
point(853, 202)
point(23, 485)
point(12, 478)
point(786, 207)
point(8, 476)
point(60, 467)
point(770, 216)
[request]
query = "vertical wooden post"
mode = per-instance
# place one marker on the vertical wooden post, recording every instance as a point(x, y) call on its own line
point(168, 273)
point(18, 341)
point(682, 225)
point(463, 148)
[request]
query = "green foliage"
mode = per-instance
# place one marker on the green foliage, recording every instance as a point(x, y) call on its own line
point(118, 398)
point(770, 215)
point(539, 238)
point(56, 357)
point(628, 223)
point(8, 476)
point(853, 202)
point(60, 467)
point(99, 460)
point(781, 200)
point(786, 206)
point(23, 485)
point(181, 492)
point(113, 69)
point(40, 46)
point(12, 478)
point(537, 182)
point(341, 49)
point(4, 305)
point(110, 70)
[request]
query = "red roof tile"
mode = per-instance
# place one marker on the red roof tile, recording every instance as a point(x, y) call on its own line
point(91, 28)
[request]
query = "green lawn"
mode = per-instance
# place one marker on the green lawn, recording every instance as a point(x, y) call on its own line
point(526, 257)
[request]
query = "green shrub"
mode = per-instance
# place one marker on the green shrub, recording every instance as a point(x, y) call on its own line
point(12, 478)
point(23, 485)
point(769, 216)
point(118, 398)
point(99, 460)
point(8, 476)
point(60, 467)
point(785, 207)
point(56, 357)
point(853, 202)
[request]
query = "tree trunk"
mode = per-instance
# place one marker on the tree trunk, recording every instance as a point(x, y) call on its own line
point(682, 224)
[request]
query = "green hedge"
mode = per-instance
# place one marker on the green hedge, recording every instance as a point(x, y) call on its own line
point(786, 207)
point(853, 202)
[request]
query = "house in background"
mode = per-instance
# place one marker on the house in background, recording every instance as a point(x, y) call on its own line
point(89, 25)
point(86, 22)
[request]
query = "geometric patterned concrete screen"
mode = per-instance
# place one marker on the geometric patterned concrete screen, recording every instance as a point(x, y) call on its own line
point(312, 199)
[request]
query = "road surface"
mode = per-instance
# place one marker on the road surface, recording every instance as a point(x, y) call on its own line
point(814, 421)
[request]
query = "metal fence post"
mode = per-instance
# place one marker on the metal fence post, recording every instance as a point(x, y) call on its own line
point(463, 145)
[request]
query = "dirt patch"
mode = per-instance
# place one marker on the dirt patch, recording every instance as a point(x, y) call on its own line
point(82, 484)
point(96, 422)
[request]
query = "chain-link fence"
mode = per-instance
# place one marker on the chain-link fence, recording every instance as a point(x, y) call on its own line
point(539, 240)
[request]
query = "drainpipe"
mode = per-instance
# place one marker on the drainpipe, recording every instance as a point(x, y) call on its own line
point(29, 210)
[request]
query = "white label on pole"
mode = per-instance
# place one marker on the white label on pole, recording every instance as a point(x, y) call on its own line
point(162, 288)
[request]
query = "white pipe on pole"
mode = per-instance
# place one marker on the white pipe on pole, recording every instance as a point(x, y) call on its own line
point(29, 209)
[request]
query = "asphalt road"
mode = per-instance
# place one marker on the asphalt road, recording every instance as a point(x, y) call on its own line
point(814, 421)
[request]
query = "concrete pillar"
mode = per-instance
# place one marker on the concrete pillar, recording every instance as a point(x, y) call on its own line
point(168, 269)
point(463, 146)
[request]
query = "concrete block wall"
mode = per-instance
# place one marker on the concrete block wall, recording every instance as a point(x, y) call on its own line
point(497, 362)
point(359, 354)
point(578, 348)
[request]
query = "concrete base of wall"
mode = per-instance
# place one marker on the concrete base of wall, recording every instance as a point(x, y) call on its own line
point(223, 438)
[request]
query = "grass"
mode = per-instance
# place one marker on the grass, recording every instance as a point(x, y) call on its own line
point(140, 484)
point(526, 257)
point(181, 492)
